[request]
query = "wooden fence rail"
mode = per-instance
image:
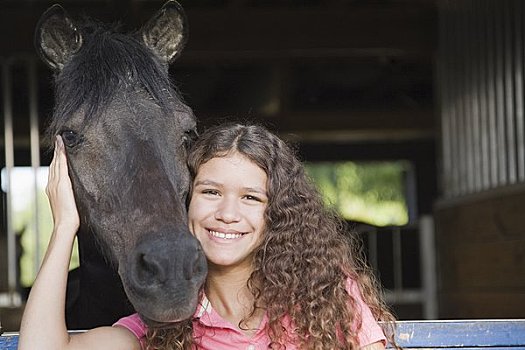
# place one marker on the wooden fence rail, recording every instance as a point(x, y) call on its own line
point(442, 334)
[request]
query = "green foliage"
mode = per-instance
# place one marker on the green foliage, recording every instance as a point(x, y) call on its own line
point(22, 223)
point(370, 192)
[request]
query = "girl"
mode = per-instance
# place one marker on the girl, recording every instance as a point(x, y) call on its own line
point(282, 273)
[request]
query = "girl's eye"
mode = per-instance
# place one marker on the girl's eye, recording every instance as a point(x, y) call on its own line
point(211, 192)
point(252, 198)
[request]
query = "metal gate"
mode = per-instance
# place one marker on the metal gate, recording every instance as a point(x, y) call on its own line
point(11, 68)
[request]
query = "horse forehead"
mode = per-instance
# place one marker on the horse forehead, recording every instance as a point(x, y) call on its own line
point(114, 62)
point(111, 81)
point(139, 110)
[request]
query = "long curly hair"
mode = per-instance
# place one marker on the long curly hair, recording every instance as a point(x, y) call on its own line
point(301, 268)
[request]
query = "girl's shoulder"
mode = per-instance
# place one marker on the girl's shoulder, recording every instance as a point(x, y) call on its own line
point(134, 324)
point(352, 288)
point(115, 338)
point(369, 331)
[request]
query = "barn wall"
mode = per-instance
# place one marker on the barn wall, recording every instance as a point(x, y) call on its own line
point(480, 218)
point(481, 245)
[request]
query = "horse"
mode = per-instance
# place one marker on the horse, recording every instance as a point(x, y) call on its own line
point(126, 132)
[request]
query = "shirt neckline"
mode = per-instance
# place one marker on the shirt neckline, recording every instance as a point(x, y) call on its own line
point(208, 317)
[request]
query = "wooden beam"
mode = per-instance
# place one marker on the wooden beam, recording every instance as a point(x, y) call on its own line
point(351, 30)
point(358, 119)
point(299, 31)
point(343, 126)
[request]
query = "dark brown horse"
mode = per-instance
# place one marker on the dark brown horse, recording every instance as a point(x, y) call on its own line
point(126, 133)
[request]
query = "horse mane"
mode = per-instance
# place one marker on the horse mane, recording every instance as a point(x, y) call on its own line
point(107, 62)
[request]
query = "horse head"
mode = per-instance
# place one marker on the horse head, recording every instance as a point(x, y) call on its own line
point(126, 133)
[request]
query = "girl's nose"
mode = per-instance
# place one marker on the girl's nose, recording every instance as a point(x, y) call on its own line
point(228, 211)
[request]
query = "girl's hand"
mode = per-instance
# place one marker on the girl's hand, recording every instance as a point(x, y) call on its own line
point(60, 191)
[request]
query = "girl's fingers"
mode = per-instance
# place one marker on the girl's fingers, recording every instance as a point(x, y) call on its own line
point(58, 166)
point(60, 192)
point(52, 167)
point(60, 158)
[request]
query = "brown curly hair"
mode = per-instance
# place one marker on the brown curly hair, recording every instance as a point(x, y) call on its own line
point(301, 268)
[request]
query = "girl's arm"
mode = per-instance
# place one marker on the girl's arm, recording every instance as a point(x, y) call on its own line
point(43, 322)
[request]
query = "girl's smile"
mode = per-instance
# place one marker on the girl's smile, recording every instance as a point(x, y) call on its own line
point(224, 235)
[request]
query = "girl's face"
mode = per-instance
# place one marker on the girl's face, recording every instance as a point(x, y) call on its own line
point(226, 211)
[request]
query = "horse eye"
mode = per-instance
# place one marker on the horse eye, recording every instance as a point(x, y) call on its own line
point(189, 137)
point(70, 138)
point(186, 142)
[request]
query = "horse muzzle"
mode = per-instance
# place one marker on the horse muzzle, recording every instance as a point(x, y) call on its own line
point(163, 275)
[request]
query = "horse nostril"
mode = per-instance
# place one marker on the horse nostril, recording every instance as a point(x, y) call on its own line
point(163, 261)
point(150, 269)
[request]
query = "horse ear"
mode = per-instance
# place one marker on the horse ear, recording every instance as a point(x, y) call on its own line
point(56, 37)
point(166, 32)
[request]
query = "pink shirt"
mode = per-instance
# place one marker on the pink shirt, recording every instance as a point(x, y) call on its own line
point(212, 332)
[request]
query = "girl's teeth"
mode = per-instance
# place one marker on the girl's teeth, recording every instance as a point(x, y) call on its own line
point(225, 235)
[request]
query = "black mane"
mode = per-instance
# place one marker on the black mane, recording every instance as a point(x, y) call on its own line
point(107, 62)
